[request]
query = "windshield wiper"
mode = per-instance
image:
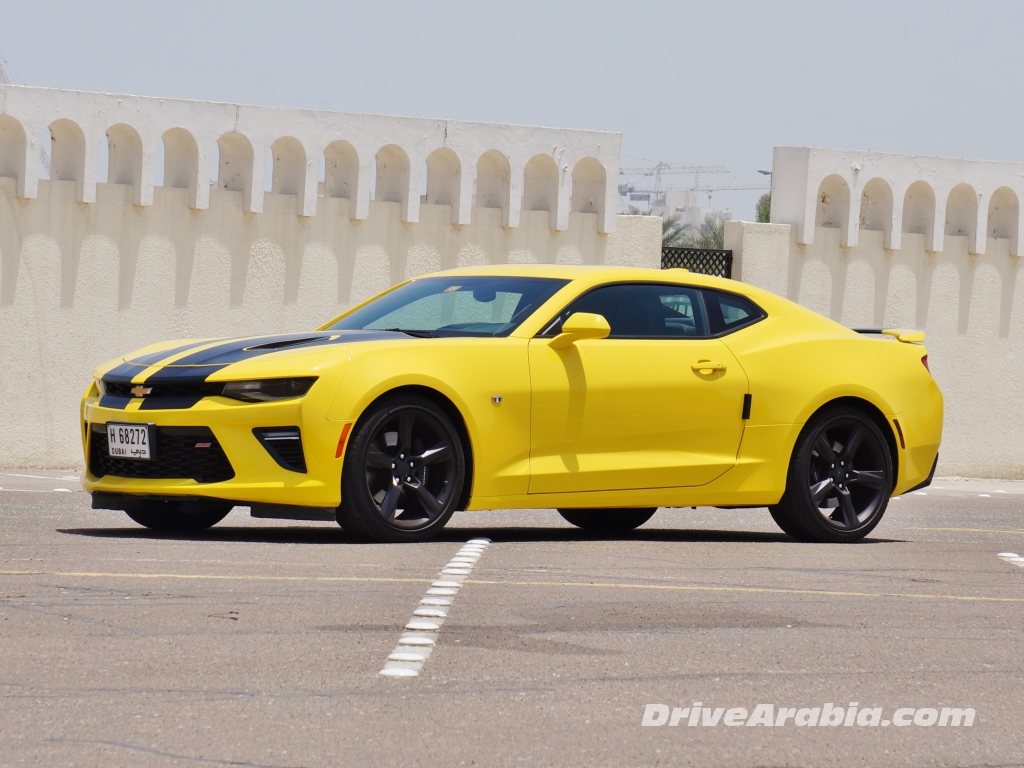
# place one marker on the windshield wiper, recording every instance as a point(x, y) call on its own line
point(410, 332)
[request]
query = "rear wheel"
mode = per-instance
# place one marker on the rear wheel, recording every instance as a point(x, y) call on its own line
point(173, 515)
point(840, 479)
point(608, 520)
point(404, 471)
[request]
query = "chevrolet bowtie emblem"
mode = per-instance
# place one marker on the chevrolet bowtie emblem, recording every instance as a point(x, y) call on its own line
point(140, 391)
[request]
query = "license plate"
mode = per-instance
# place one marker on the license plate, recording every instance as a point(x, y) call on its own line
point(130, 441)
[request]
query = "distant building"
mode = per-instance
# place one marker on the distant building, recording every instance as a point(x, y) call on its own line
point(684, 203)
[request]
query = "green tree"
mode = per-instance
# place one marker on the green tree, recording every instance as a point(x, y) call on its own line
point(764, 208)
point(710, 235)
point(673, 232)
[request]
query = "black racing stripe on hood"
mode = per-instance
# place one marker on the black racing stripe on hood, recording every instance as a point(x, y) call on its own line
point(197, 367)
point(154, 358)
point(122, 374)
point(126, 371)
point(236, 350)
point(193, 374)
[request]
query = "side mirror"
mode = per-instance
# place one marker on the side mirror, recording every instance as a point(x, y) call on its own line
point(579, 326)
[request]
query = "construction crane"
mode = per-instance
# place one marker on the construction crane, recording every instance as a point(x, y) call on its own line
point(43, 157)
point(665, 169)
point(669, 168)
point(709, 189)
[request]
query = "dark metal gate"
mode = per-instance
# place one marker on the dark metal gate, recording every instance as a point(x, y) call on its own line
point(706, 261)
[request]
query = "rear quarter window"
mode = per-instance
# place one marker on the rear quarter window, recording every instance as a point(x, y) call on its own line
point(728, 312)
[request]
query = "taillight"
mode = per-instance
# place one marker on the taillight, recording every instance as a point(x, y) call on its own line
point(924, 362)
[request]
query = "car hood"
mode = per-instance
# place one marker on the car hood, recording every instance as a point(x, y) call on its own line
point(196, 360)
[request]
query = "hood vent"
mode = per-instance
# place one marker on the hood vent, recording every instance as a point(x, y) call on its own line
point(287, 343)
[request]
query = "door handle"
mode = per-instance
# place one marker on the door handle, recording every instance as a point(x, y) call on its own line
point(704, 366)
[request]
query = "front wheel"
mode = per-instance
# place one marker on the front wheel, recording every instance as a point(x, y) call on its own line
point(404, 471)
point(607, 520)
point(840, 479)
point(182, 516)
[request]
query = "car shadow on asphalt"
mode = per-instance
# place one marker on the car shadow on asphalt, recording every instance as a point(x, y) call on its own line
point(327, 535)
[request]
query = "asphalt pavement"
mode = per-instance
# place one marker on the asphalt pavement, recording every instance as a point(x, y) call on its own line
point(261, 643)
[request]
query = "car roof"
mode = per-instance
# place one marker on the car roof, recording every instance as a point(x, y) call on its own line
point(586, 273)
point(583, 277)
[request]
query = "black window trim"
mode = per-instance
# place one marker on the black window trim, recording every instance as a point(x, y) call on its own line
point(543, 333)
point(728, 331)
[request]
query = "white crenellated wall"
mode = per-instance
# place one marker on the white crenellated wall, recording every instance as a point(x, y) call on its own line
point(966, 296)
point(389, 154)
point(936, 197)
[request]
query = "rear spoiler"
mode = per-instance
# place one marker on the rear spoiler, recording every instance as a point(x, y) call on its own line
point(906, 335)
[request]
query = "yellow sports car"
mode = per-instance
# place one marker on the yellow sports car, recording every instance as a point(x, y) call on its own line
point(603, 392)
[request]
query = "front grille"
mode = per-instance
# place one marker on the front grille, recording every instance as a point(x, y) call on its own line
point(175, 456)
point(284, 444)
point(197, 389)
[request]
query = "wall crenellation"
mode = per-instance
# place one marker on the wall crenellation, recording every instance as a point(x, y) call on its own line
point(509, 167)
point(897, 195)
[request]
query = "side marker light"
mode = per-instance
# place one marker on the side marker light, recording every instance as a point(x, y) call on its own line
point(341, 440)
point(899, 431)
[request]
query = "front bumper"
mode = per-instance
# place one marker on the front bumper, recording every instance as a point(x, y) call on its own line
point(257, 476)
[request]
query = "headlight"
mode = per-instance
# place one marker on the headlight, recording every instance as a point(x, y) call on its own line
point(268, 389)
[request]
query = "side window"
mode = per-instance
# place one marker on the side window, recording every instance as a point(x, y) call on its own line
point(641, 311)
point(728, 312)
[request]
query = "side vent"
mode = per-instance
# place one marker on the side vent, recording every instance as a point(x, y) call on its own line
point(284, 444)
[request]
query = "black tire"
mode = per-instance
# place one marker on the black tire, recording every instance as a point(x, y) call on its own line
point(840, 479)
point(404, 471)
point(611, 520)
point(182, 516)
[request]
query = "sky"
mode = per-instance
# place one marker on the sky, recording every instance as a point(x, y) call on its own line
point(708, 83)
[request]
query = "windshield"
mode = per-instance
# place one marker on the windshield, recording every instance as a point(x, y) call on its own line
point(454, 306)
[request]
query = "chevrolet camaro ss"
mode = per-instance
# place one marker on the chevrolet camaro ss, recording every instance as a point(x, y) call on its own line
point(603, 392)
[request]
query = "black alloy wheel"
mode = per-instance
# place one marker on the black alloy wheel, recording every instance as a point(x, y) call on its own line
point(403, 473)
point(608, 520)
point(840, 479)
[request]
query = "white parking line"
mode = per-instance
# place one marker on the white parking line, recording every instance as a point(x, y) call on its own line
point(414, 647)
point(40, 477)
point(1011, 557)
point(35, 490)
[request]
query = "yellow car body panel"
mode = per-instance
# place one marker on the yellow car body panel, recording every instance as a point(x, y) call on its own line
point(605, 422)
point(615, 414)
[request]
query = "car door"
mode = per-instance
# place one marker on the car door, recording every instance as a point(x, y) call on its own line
point(656, 404)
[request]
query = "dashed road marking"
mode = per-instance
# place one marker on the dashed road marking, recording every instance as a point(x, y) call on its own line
point(1011, 557)
point(414, 647)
